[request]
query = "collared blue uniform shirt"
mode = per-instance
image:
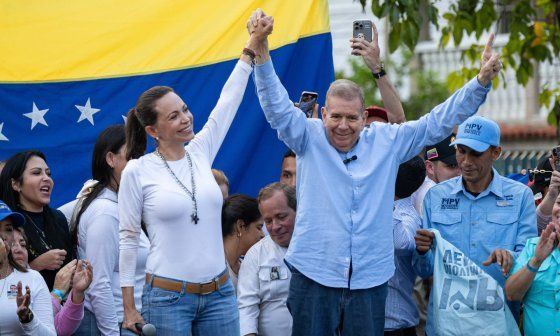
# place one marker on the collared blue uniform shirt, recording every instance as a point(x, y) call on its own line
point(502, 216)
point(344, 211)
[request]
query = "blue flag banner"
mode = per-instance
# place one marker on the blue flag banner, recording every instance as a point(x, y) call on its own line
point(58, 101)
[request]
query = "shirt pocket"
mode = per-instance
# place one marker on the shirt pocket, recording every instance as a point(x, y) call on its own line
point(274, 280)
point(502, 229)
point(542, 291)
point(447, 223)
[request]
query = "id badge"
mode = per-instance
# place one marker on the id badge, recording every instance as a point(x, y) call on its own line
point(274, 273)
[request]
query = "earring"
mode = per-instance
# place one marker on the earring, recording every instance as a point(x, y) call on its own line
point(238, 234)
point(157, 138)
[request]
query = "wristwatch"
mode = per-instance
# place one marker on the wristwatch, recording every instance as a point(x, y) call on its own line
point(380, 68)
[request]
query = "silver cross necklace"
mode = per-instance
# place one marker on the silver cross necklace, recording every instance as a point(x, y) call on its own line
point(191, 194)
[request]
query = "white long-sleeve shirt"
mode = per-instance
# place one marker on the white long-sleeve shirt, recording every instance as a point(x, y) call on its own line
point(41, 306)
point(262, 290)
point(98, 241)
point(179, 248)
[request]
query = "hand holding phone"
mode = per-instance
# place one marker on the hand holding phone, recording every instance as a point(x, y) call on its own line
point(307, 102)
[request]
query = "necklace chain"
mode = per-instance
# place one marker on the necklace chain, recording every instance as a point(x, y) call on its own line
point(40, 232)
point(191, 194)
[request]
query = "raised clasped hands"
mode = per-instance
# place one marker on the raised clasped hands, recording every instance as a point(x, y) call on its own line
point(260, 25)
point(490, 63)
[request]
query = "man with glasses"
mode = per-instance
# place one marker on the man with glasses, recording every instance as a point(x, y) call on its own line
point(485, 215)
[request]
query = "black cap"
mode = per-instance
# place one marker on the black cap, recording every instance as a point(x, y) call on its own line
point(442, 151)
point(541, 180)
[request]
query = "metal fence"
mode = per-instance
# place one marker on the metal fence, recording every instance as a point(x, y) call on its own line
point(514, 161)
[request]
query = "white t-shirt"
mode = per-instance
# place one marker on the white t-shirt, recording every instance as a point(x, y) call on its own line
point(41, 306)
point(179, 248)
point(98, 241)
point(262, 290)
point(418, 195)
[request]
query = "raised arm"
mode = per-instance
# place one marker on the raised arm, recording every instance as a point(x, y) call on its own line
point(210, 138)
point(524, 273)
point(370, 53)
point(279, 111)
point(438, 124)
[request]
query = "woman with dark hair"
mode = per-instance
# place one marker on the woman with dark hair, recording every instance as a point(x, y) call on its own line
point(26, 186)
point(173, 192)
point(241, 228)
point(94, 228)
point(19, 315)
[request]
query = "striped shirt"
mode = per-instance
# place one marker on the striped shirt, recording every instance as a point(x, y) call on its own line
point(400, 308)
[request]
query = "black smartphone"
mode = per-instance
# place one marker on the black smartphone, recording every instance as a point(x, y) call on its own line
point(307, 101)
point(363, 29)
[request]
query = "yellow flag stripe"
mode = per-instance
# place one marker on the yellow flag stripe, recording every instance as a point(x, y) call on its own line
point(60, 40)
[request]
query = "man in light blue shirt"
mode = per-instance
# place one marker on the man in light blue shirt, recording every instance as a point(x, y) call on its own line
point(341, 253)
point(485, 215)
point(401, 313)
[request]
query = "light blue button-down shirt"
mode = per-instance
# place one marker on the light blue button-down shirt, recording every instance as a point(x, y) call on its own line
point(502, 216)
point(344, 212)
point(400, 308)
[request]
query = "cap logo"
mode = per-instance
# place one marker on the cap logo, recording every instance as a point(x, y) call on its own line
point(473, 129)
point(432, 154)
point(3, 206)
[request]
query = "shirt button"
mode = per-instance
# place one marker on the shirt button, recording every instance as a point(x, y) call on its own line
point(473, 244)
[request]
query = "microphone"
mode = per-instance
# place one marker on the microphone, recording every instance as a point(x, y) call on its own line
point(350, 159)
point(146, 329)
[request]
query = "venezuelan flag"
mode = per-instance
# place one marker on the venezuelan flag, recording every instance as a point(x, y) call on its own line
point(71, 68)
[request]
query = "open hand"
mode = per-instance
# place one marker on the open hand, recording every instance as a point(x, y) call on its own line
point(64, 277)
point(23, 301)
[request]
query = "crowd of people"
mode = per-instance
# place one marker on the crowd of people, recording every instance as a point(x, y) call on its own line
point(342, 244)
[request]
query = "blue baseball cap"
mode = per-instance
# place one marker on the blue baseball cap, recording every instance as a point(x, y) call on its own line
point(5, 212)
point(478, 133)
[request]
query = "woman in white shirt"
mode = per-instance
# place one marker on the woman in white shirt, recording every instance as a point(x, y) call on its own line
point(95, 230)
point(21, 314)
point(241, 228)
point(173, 192)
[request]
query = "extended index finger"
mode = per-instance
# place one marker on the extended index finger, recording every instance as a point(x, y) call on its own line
point(489, 44)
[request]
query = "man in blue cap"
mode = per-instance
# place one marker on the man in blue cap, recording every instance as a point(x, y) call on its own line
point(9, 220)
point(485, 215)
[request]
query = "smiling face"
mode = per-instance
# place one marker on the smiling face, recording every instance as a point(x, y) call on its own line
point(36, 185)
point(174, 120)
point(344, 120)
point(278, 217)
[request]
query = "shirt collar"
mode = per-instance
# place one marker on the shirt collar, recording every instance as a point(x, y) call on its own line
point(495, 187)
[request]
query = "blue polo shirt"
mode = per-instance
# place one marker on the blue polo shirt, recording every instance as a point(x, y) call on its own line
point(502, 216)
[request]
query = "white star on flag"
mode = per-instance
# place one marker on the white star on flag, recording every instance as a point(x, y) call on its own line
point(87, 112)
point(124, 119)
point(2, 136)
point(37, 116)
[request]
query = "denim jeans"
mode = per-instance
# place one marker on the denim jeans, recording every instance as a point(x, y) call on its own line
point(88, 326)
point(175, 314)
point(320, 310)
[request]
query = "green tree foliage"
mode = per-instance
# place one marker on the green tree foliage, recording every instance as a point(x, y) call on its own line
point(430, 92)
point(533, 25)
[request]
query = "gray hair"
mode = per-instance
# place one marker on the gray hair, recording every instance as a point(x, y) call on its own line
point(347, 90)
point(288, 191)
